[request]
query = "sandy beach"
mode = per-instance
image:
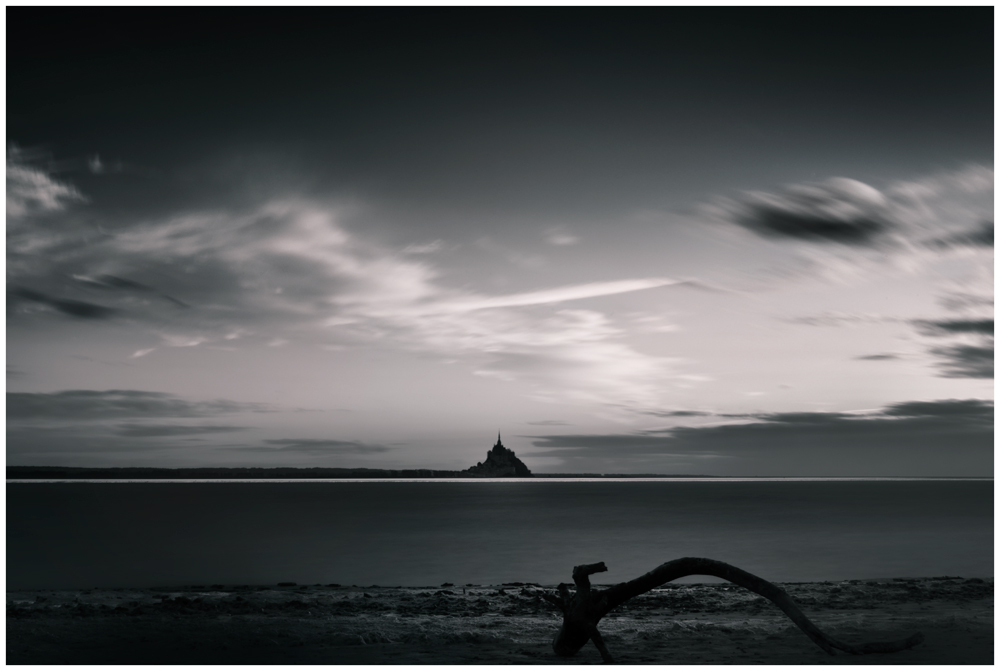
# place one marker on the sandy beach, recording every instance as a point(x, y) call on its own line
point(497, 624)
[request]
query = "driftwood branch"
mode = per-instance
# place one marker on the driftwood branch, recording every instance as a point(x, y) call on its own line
point(584, 609)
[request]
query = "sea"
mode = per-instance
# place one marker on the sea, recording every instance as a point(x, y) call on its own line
point(99, 534)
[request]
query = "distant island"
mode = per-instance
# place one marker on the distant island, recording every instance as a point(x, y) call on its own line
point(501, 462)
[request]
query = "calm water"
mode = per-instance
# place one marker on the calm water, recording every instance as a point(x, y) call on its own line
point(76, 535)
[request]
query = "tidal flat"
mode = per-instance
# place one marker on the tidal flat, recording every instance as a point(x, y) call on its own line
point(715, 623)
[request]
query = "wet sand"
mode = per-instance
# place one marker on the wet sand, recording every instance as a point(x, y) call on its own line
point(500, 624)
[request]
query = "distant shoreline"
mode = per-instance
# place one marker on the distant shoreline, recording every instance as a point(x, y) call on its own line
point(212, 474)
point(272, 473)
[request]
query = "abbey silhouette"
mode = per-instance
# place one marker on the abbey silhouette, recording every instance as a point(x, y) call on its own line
point(500, 463)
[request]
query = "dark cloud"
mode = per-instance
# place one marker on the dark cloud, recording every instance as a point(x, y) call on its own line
point(777, 223)
point(841, 211)
point(316, 446)
point(962, 359)
point(67, 307)
point(677, 413)
point(970, 409)
point(123, 284)
point(965, 360)
point(85, 404)
point(169, 430)
point(951, 326)
point(947, 437)
point(981, 236)
point(877, 357)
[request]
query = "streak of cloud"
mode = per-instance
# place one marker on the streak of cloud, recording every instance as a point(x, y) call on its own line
point(556, 295)
point(171, 430)
point(73, 308)
point(83, 404)
point(315, 446)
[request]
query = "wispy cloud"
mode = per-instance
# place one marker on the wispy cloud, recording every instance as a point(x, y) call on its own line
point(546, 296)
point(314, 446)
point(842, 228)
point(289, 266)
point(33, 190)
point(171, 430)
point(87, 405)
point(17, 297)
point(981, 236)
point(560, 237)
point(845, 211)
point(844, 319)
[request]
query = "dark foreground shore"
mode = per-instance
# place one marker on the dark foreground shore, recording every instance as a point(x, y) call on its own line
point(328, 624)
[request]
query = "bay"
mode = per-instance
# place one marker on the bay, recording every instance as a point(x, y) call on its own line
point(88, 535)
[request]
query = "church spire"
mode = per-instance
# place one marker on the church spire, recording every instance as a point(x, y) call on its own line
point(498, 438)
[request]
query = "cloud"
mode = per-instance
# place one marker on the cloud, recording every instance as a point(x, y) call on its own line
point(32, 190)
point(560, 237)
point(842, 229)
point(314, 446)
point(843, 319)
point(839, 210)
point(19, 295)
point(965, 300)
point(171, 430)
point(912, 438)
point(115, 403)
point(965, 361)
point(546, 296)
point(972, 358)
point(972, 409)
point(878, 357)
point(428, 248)
point(952, 326)
point(549, 422)
point(95, 165)
point(111, 282)
point(981, 236)
point(290, 267)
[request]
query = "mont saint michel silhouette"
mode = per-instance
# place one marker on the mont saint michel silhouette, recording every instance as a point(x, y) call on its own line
point(501, 462)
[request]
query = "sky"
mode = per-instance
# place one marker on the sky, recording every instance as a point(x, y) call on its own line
point(720, 241)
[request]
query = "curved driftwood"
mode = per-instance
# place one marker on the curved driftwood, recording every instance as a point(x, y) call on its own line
point(584, 609)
